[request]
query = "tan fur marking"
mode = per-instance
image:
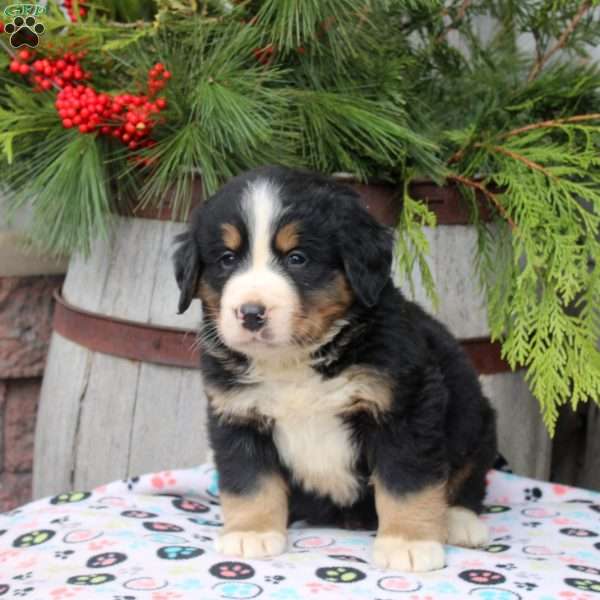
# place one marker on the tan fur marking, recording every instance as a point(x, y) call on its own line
point(373, 391)
point(416, 516)
point(264, 510)
point(231, 235)
point(322, 309)
point(457, 480)
point(211, 301)
point(287, 237)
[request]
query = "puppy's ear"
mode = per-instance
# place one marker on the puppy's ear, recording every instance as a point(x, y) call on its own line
point(188, 269)
point(366, 251)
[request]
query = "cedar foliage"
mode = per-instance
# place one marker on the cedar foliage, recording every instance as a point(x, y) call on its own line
point(497, 97)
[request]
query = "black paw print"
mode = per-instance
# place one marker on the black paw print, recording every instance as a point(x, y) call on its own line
point(131, 482)
point(532, 524)
point(276, 579)
point(60, 521)
point(525, 585)
point(24, 32)
point(63, 554)
point(533, 494)
point(23, 591)
point(23, 576)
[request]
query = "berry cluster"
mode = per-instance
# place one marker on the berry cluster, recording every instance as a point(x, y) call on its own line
point(127, 117)
point(68, 4)
point(157, 78)
point(47, 73)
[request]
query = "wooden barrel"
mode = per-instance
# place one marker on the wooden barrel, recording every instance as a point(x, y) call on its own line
point(121, 392)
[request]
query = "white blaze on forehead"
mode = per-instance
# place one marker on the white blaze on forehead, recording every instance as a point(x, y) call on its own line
point(262, 206)
point(259, 280)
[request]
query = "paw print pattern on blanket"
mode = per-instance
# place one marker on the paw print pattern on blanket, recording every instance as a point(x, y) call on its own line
point(155, 538)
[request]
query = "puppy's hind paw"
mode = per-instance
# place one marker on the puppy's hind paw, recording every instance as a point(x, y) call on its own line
point(391, 552)
point(465, 528)
point(251, 544)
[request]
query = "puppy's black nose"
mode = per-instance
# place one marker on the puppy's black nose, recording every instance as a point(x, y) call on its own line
point(253, 316)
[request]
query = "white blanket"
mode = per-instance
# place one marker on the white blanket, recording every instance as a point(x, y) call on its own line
point(152, 538)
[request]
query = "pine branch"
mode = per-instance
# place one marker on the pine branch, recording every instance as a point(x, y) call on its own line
point(516, 156)
point(548, 124)
point(471, 183)
point(542, 60)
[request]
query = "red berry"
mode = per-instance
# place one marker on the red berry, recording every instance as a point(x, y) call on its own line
point(159, 67)
point(46, 84)
point(1, 27)
point(167, 75)
point(161, 103)
point(133, 145)
point(67, 123)
point(126, 137)
point(83, 128)
point(77, 120)
point(105, 130)
point(24, 69)
point(25, 55)
point(15, 66)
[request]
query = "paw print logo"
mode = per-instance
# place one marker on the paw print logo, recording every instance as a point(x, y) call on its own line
point(162, 527)
point(340, 574)
point(23, 591)
point(533, 524)
point(70, 497)
point(24, 32)
point(190, 506)
point(63, 554)
point(23, 576)
point(237, 589)
point(275, 579)
point(232, 570)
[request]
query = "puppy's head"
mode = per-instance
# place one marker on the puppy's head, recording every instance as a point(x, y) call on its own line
point(278, 257)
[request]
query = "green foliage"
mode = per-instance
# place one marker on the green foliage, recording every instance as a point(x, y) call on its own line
point(383, 89)
point(542, 276)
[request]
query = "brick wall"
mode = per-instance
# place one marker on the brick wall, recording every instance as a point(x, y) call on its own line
point(25, 327)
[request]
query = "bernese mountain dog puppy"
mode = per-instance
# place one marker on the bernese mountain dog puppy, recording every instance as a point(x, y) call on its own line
point(331, 397)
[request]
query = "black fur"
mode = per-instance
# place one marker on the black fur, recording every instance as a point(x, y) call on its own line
point(439, 422)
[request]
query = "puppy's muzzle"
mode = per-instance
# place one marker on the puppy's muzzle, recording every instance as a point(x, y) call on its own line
point(253, 316)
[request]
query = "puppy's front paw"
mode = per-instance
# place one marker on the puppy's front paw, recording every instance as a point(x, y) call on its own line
point(251, 544)
point(391, 552)
point(465, 528)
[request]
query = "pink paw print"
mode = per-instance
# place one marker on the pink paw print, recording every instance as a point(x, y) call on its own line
point(165, 595)
point(162, 479)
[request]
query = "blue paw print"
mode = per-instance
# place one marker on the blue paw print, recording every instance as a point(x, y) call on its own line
point(237, 590)
point(179, 552)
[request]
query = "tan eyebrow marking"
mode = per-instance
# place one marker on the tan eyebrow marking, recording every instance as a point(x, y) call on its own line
point(287, 237)
point(232, 238)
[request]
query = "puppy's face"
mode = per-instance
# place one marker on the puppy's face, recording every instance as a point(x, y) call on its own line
point(278, 257)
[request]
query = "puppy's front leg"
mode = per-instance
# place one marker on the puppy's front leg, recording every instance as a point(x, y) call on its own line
point(255, 522)
point(412, 528)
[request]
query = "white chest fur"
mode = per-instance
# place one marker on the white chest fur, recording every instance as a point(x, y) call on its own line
point(309, 429)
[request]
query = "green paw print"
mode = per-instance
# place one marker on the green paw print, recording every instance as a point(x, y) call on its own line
point(584, 585)
point(70, 497)
point(33, 538)
point(98, 579)
point(340, 574)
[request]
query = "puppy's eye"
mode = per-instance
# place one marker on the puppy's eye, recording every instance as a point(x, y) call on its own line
point(228, 260)
point(296, 259)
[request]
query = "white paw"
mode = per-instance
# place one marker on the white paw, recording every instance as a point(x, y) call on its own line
point(251, 544)
point(465, 528)
point(417, 555)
